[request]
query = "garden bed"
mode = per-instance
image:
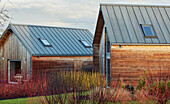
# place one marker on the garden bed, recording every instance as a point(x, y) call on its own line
point(35, 99)
point(83, 87)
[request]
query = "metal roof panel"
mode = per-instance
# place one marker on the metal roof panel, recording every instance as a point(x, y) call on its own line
point(64, 41)
point(123, 22)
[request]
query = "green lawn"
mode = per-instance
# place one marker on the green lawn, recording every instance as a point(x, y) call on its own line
point(20, 100)
point(32, 99)
point(16, 101)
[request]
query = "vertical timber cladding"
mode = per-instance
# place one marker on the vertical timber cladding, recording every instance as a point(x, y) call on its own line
point(97, 47)
point(99, 52)
point(130, 62)
point(12, 48)
point(45, 64)
point(96, 56)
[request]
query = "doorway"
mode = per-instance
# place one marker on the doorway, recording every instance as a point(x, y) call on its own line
point(14, 70)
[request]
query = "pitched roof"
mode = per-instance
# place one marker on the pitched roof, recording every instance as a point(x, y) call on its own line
point(64, 41)
point(123, 22)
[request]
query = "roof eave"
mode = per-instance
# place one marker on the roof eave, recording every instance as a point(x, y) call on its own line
point(96, 24)
point(8, 27)
point(117, 4)
point(62, 55)
point(13, 30)
point(146, 44)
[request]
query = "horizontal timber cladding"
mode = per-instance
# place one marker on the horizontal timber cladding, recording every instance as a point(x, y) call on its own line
point(53, 65)
point(87, 65)
point(12, 48)
point(130, 62)
point(61, 63)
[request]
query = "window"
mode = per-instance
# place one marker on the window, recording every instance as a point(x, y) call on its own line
point(148, 31)
point(45, 42)
point(14, 71)
point(87, 45)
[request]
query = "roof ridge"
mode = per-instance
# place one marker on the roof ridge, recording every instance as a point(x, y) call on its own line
point(118, 4)
point(48, 26)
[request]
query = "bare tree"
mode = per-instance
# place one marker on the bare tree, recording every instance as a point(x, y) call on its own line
point(4, 17)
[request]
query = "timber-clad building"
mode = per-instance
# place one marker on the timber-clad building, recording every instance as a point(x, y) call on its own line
point(131, 39)
point(28, 49)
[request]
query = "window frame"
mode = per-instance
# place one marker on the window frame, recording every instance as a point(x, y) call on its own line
point(43, 42)
point(89, 46)
point(9, 69)
point(152, 29)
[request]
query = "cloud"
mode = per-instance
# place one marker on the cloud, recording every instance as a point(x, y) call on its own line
point(67, 13)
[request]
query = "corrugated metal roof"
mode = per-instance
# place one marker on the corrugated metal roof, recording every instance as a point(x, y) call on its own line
point(123, 22)
point(64, 41)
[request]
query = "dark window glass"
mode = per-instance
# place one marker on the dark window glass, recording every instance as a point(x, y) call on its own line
point(148, 30)
point(15, 71)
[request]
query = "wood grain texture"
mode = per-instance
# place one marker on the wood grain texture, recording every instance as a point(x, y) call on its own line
point(96, 56)
point(129, 62)
point(98, 52)
point(97, 41)
point(46, 64)
point(12, 48)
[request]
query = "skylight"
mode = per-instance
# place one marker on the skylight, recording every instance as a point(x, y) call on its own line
point(148, 31)
point(45, 42)
point(85, 43)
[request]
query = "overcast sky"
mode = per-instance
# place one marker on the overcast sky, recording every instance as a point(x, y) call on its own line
point(64, 13)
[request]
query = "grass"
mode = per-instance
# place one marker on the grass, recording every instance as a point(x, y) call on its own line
point(19, 100)
point(31, 99)
point(16, 101)
point(27, 101)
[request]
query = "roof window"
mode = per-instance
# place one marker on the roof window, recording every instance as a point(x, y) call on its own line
point(45, 42)
point(87, 45)
point(148, 31)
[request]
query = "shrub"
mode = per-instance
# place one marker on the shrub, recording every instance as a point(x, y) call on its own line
point(74, 83)
point(26, 89)
point(142, 82)
point(113, 94)
point(52, 83)
point(155, 89)
point(74, 80)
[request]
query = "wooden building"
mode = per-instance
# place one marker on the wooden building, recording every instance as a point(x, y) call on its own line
point(27, 49)
point(130, 39)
